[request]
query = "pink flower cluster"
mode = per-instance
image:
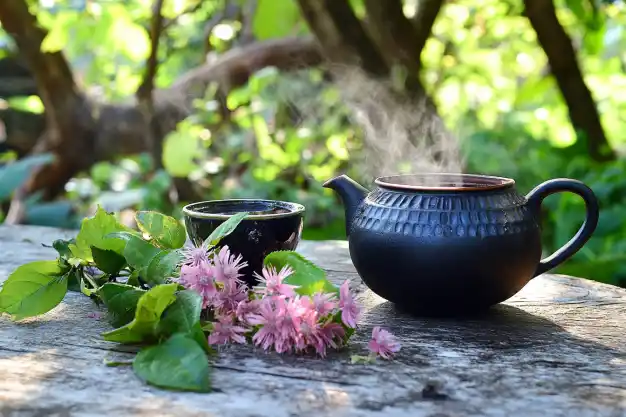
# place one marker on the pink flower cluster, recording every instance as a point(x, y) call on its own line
point(289, 322)
point(271, 315)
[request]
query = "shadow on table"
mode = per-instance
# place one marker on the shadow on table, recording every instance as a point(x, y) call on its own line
point(502, 327)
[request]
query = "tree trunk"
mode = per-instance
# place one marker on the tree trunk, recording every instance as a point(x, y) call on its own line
point(400, 120)
point(400, 40)
point(564, 66)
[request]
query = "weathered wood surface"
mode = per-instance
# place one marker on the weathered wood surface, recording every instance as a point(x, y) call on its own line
point(556, 349)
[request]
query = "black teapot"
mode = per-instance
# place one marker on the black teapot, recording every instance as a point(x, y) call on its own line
point(452, 244)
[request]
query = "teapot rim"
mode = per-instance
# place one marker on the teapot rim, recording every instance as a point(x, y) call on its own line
point(472, 182)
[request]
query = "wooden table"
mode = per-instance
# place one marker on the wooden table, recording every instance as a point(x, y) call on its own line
point(555, 349)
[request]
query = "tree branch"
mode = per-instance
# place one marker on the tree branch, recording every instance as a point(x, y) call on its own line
point(192, 9)
point(145, 90)
point(424, 21)
point(564, 66)
point(399, 40)
point(52, 73)
point(234, 67)
point(121, 129)
point(247, 22)
point(342, 36)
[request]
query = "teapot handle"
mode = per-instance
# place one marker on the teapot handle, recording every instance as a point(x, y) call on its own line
point(535, 198)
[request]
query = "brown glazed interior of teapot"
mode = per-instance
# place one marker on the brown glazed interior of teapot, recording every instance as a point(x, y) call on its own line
point(444, 182)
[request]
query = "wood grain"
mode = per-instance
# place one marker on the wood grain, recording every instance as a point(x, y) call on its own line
point(555, 349)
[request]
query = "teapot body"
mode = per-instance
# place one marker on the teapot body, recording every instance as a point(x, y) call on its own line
point(445, 251)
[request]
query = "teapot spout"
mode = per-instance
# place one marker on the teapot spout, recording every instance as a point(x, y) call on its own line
point(351, 193)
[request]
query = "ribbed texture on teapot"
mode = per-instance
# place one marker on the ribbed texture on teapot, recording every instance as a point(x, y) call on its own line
point(444, 215)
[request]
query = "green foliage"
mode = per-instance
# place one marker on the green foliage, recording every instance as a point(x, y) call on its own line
point(93, 232)
point(33, 289)
point(275, 19)
point(181, 148)
point(163, 266)
point(183, 316)
point(226, 228)
point(178, 363)
point(138, 252)
point(165, 319)
point(166, 231)
point(309, 277)
point(121, 302)
point(150, 307)
point(108, 261)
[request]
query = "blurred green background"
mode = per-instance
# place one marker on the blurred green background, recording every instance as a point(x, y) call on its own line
point(279, 134)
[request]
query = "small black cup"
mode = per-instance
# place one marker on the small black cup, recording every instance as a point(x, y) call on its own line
point(270, 226)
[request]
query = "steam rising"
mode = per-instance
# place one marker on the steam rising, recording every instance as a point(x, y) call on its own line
point(401, 136)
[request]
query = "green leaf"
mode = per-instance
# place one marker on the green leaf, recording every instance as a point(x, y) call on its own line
point(354, 359)
point(74, 280)
point(275, 19)
point(33, 289)
point(183, 316)
point(59, 33)
point(309, 278)
point(86, 290)
point(150, 307)
point(94, 231)
point(63, 247)
point(181, 149)
point(163, 266)
point(121, 302)
point(13, 175)
point(133, 279)
point(179, 363)
point(576, 6)
point(197, 333)
point(137, 251)
point(226, 228)
point(349, 331)
point(114, 364)
point(107, 260)
point(165, 230)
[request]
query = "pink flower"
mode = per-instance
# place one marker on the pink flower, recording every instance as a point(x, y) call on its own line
point(195, 256)
point(383, 343)
point(189, 274)
point(310, 334)
point(272, 282)
point(268, 317)
point(228, 298)
point(224, 331)
point(227, 266)
point(291, 312)
point(332, 334)
point(349, 308)
point(319, 336)
point(324, 303)
point(200, 279)
point(245, 308)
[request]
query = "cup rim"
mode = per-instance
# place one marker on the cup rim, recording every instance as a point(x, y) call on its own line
point(294, 209)
point(479, 182)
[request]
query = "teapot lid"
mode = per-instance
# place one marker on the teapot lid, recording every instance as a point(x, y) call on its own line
point(444, 182)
